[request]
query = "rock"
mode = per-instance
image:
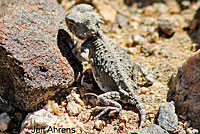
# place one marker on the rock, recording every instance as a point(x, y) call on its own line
point(166, 28)
point(39, 118)
point(184, 4)
point(173, 6)
point(32, 67)
point(107, 12)
point(122, 125)
point(46, 121)
point(138, 39)
point(192, 131)
point(194, 29)
point(167, 117)
point(122, 20)
point(54, 108)
point(74, 97)
point(151, 129)
point(185, 89)
point(77, 98)
point(4, 121)
point(161, 7)
point(154, 37)
point(149, 10)
point(98, 124)
point(149, 21)
point(147, 49)
point(73, 108)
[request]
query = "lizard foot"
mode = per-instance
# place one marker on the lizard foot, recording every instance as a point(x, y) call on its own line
point(112, 110)
point(144, 78)
point(107, 100)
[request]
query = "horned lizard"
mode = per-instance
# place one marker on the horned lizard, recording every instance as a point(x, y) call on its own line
point(111, 66)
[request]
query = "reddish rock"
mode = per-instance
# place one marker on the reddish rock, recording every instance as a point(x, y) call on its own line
point(32, 67)
point(185, 89)
point(194, 29)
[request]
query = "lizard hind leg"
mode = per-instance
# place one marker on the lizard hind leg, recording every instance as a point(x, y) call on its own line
point(105, 102)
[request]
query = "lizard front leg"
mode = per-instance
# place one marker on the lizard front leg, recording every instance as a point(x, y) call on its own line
point(142, 78)
point(107, 100)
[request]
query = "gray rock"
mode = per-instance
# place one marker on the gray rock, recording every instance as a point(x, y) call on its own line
point(167, 117)
point(151, 129)
point(166, 27)
point(4, 121)
point(185, 89)
point(32, 67)
point(122, 20)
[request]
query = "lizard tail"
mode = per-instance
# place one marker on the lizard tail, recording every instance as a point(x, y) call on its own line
point(138, 102)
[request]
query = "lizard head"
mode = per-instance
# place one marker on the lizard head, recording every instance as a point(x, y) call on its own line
point(83, 21)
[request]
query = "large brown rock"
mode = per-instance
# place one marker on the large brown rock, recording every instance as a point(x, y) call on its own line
point(185, 89)
point(32, 67)
point(194, 29)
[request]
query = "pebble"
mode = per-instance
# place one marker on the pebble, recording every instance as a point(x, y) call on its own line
point(138, 39)
point(77, 98)
point(166, 27)
point(73, 108)
point(151, 129)
point(122, 20)
point(124, 118)
point(147, 49)
point(149, 10)
point(107, 12)
point(167, 117)
point(154, 37)
point(143, 90)
point(84, 115)
point(162, 8)
point(149, 21)
point(54, 108)
point(135, 25)
point(4, 121)
point(122, 125)
point(182, 132)
point(98, 124)
point(39, 118)
point(192, 131)
point(185, 4)
point(173, 6)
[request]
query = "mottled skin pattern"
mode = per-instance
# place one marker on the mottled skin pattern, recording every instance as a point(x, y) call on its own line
point(111, 66)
